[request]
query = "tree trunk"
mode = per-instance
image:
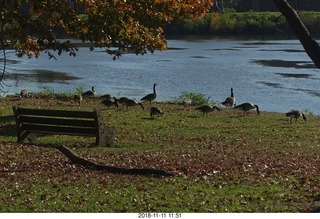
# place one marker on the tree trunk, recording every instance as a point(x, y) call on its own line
point(311, 47)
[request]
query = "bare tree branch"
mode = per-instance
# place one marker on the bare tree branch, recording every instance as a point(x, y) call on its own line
point(3, 62)
point(311, 47)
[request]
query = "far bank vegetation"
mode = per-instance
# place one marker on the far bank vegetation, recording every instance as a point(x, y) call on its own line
point(232, 22)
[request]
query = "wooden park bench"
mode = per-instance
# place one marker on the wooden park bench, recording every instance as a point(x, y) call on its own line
point(63, 122)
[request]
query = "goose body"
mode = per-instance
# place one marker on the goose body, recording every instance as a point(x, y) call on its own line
point(150, 97)
point(155, 111)
point(230, 101)
point(78, 99)
point(123, 100)
point(132, 103)
point(207, 109)
point(187, 102)
point(246, 107)
point(24, 93)
point(110, 102)
point(295, 114)
point(89, 93)
point(106, 97)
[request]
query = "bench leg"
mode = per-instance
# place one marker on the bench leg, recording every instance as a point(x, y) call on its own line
point(22, 136)
point(106, 136)
point(32, 137)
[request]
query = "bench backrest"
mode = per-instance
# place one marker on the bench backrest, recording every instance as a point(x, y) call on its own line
point(57, 121)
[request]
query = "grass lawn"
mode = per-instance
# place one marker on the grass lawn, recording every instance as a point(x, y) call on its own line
point(223, 162)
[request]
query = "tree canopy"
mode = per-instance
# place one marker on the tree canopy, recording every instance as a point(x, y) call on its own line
point(34, 26)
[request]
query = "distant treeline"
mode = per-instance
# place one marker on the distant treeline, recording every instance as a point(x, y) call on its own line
point(242, 23)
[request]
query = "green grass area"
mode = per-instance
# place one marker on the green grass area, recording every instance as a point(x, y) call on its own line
point(223, 162)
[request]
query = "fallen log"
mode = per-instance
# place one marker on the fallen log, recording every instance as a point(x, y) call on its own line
point(73, 157)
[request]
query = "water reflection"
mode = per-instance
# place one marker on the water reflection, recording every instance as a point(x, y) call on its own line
point(289, 75)
point(314, 93)
point(282, 50)
point(270, 84)
point(199, 57)
point(41, 76)
point(285, 63)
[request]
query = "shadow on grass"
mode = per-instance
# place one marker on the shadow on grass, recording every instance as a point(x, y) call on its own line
point(193, 116)
point(8, 129)
point(150, 118)
point(7, 119)
point(76, 159)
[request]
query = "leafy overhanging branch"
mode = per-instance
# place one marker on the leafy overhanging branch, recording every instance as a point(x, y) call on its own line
point(34, 26)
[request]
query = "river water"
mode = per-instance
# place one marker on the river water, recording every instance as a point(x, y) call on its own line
point(277, 75)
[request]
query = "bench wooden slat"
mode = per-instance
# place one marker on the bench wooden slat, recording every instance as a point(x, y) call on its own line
point(56, 113)
point(56, 121)
point(59, 130)
point(64, 122)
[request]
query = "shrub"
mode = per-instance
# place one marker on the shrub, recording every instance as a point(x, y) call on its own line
point(79, 90)
point(47, 91)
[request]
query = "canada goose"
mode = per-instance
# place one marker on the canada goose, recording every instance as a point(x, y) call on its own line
point(206, 109)
point(187, 102)
point(155, 111)
point(132, 102)
point(78, 99)
point(246, 107)
point(150, 97)
point(88, 93)
point(230, 101)
point(24, 93)
point(106, 97)
point(123, 100)
point(295, 114)
point(110, 102)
